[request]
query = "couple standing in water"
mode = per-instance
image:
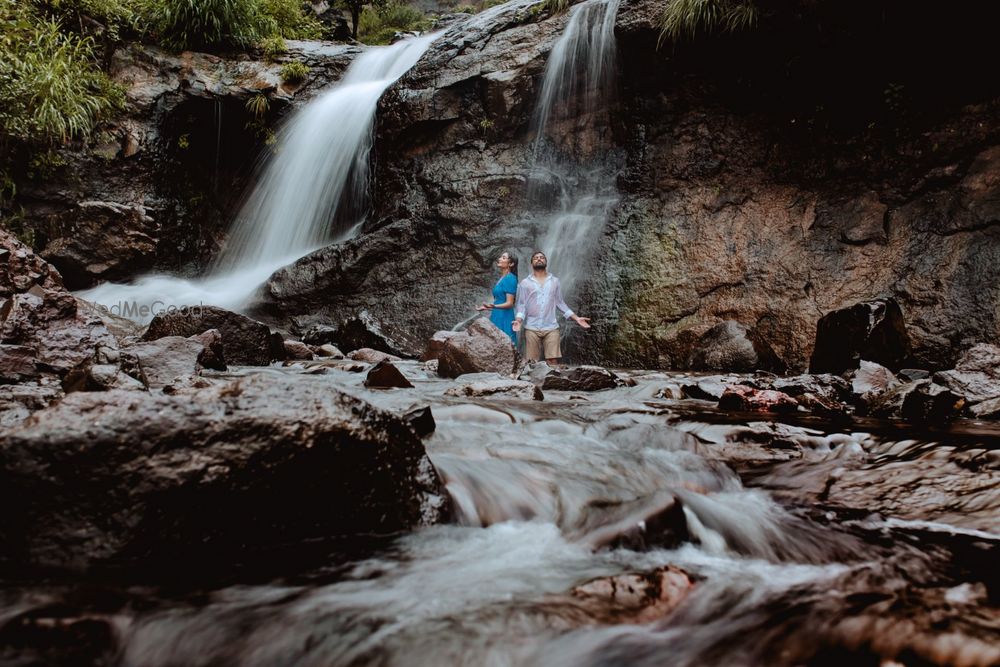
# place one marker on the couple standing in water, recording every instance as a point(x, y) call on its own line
point(530, 305)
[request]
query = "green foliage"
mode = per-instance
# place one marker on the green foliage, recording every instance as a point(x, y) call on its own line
point(118, 17)
point(553, 6)
point(273, 47)
point(52, 90)
point(687, 19)
point(258, 106)
point(465, 9)
point(193, 24)
point(294, 72)
point(198, 24)
point(286, 18)
point(379, 24)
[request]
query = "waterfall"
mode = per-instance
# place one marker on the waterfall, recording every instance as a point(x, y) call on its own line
point(571, 183)
point(292, 209)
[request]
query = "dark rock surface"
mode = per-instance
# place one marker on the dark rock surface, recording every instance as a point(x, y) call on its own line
point(384, 375)
point(581, 378)
point(481, 348)
point(150, 481)
point(871, 330)
point(245, 342)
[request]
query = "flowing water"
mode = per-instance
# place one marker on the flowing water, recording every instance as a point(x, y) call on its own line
point(292, 209)
point(554, 494)
point(572, 180)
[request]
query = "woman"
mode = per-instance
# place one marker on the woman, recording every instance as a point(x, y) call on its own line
point(502, 308)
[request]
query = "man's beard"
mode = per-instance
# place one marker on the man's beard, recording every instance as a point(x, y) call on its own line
point(539, 265)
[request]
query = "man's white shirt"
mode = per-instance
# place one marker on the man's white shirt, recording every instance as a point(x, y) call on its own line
point(537, 303)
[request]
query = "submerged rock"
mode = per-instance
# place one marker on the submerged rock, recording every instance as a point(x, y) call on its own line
point(245, 342)
point(151, 481)
point(870, 330)
point(481, 348)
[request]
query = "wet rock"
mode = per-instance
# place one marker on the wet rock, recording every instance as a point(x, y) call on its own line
point(17, 402)
point(329, 351)
point(581, 378)
point(871, 380)
point(913, 374)
point(421, 420)
point(490, 385)
point(729, 346)
point(384, 375)
point(660, 523)
point(921, 401)
point(245, 342)
point(163, 361)
point(988, 409)
point(18, 363)
point(371, 356)
point(100, 377)
point(708, 388)
point(481, 348)
point(214, 354)
point(297, 350)
point(436, 343)
point(154, 482)
point(636, 597)
point(37, 312)
point(741, 398)
point(320, 334)
point(871, 330)
point(976, 376)
point(830, 387)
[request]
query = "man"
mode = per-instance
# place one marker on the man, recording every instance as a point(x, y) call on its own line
point(538, 296)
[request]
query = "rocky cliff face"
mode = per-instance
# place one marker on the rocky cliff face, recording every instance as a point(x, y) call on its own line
point(767, 178)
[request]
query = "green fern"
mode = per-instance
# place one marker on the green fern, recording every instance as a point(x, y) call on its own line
point(689, 19)
point(294, 72)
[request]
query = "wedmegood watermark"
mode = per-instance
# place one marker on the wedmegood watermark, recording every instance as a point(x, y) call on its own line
point(135, 309)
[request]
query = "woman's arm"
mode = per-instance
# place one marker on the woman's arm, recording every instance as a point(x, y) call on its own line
point(506, 305)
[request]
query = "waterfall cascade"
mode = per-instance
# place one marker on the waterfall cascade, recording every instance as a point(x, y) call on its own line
point(291, 210)
point(571, 178)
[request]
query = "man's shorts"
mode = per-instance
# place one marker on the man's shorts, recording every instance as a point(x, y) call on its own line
point(536, 342)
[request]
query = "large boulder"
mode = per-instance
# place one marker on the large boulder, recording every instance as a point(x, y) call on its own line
point(976, 376)
point(481, 348)
point(730, 346)
point(245, 342)
point(154, 481)
point(871, 330)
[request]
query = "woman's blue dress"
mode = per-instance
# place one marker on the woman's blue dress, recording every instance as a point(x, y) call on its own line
point(504, 317)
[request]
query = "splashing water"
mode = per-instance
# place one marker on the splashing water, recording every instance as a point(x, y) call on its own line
point(322, 164)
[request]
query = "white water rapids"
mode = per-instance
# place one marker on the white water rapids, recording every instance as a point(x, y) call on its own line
point(322, 161)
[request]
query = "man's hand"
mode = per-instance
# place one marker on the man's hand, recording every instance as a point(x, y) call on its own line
point(583, 322)
point(516, 325)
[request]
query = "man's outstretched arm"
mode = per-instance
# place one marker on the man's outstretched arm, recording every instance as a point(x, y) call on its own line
point(566, 310)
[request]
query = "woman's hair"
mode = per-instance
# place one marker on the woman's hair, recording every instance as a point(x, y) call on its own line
point(513, 262)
